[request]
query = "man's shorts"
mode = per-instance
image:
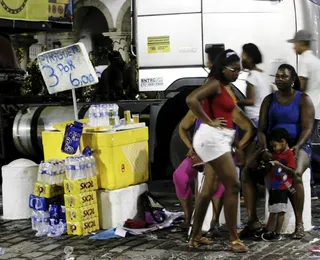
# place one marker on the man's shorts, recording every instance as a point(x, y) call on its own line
point(278, 200)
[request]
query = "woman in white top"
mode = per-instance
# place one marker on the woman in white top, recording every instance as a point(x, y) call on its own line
point(258, 82)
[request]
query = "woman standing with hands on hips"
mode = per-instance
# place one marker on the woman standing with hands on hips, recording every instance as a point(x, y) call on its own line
point(214, 106)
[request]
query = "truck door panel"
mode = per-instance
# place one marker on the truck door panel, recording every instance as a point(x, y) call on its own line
point(170, 40)
point(265, 23)
point(154, 7)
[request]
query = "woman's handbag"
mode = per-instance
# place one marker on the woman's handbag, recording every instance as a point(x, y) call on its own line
point(154, 211)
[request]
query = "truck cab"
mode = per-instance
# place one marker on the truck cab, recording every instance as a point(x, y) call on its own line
point(170, 38)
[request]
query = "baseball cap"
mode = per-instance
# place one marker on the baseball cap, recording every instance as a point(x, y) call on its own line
point(302, 36)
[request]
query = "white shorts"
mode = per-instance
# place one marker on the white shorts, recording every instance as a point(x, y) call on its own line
point(211, 142)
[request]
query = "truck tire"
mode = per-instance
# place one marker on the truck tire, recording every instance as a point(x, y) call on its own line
point(170, 114)
point(178, 149)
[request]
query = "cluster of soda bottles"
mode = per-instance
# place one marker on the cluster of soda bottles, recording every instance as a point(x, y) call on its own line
point(50, 223)
point(104, 115)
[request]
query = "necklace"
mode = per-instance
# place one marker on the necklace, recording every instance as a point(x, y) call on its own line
point(14, 10)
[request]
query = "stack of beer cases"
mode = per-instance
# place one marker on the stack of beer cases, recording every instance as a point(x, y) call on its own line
point(81, 205)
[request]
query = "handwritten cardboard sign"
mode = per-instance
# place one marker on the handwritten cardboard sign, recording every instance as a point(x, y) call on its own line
point(67, 68)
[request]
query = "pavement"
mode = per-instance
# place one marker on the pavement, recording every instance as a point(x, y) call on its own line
point(18, 241)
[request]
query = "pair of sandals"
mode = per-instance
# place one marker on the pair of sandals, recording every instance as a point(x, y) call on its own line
point(249, 231)
point(236, 246)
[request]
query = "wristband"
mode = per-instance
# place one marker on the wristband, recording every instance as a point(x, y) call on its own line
point(264, 150)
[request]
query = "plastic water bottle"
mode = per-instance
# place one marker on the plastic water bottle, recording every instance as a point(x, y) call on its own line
point(55, 230)
point(70, 168)
point(34, 215)
point(96, 115)
point(88, 166)
point(91, 116)
point(105, 115)
point(82, 165)
point(61, 171)
point(43, 223)
point(40, 172)
point(74, 168)
point(93, 165)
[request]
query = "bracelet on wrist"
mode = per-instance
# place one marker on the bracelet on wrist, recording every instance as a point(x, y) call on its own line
point(264, 150)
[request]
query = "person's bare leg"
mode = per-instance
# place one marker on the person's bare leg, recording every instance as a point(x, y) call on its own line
point(280, 220)
point(249, 191)
point(227, 173)
point(215, 201)
point(202, 202)
point(297, 199)
point(187, 209)
point(271, 222)
point(217, 207)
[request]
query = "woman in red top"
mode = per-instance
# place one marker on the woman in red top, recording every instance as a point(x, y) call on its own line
point(214, 106)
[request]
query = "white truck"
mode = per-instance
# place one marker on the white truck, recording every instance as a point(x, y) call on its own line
point(170, 38)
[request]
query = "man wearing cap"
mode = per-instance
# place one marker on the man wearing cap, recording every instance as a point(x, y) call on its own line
point(309, 74)
point(309, 67)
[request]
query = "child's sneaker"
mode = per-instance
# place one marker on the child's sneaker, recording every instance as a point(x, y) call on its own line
point(260, 232)
point(271, 236)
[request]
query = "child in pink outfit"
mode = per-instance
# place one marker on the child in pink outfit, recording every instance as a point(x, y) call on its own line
point(182, 178)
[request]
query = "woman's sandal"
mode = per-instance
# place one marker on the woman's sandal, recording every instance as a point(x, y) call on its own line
point(196, 242)
point(299, 232)
point(237, 246)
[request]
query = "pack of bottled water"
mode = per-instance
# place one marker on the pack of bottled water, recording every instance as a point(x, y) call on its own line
point(80, 167)
point(40, 222)
point(51, 172)
point(51, 223)
point(103, 115)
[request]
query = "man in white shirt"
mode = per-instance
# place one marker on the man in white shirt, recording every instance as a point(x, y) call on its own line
point(309, 68)
point(309, 74)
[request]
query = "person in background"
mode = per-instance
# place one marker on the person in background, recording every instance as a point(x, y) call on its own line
point(280, 183)
point(112, 78)
point(186, 173)
point(293, 110)
point(214, 106)
point(130, 84)
point(309, 75)
point(258, 82)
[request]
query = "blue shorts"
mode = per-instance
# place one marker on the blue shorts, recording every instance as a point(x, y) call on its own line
point(308, 149)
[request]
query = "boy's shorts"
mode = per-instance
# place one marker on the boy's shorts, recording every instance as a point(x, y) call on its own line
point(278, 201)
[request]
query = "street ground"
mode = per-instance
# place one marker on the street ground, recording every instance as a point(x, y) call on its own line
point(19, 242)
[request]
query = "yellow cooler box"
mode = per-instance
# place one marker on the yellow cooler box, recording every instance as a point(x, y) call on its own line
point(122, 157)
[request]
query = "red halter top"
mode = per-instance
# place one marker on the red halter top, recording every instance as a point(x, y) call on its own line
point(221, 105)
